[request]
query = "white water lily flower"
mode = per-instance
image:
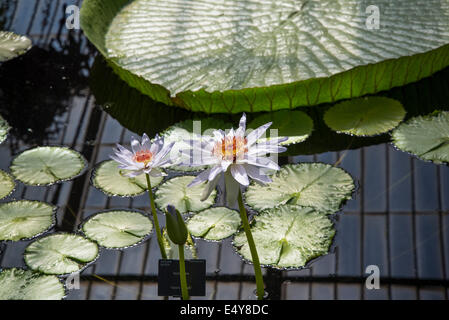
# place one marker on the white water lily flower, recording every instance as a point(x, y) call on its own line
point(236, 155)
point(146, 157)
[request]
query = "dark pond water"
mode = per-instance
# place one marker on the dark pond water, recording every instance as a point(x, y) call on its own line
point(61, 94)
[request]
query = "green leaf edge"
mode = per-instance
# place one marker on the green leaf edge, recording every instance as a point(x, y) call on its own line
point(11, 179)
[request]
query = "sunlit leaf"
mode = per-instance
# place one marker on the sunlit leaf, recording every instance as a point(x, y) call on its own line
point(317, 185)
point(172, 250)
point(214, 224)
point(296, 125)
point(47, 165)
point(7, 184)
point(4, 129)
point(250, 55)
point(18, 284)
point(25, 219)
point(118, 228)
point(60, 253)
point(176, 193)
point(426, 137)
point(367, 116)
point(288, 236)
point(113, 181)
point(12, 45)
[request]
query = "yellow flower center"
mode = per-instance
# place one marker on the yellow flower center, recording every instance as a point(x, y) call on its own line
point(231, 148)
point(143, 156)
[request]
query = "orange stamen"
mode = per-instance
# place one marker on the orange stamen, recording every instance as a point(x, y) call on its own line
point(143, 156)
point(231, 148)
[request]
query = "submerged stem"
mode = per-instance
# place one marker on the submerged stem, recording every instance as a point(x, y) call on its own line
point(252, 247)
point(182, 273)
point(156, 221)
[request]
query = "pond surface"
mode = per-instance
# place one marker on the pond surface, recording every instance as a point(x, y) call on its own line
point(398, 219)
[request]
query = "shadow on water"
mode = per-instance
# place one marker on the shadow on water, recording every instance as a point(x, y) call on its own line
point(139, 113)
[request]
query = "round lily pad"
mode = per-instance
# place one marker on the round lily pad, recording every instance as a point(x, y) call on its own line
point(317, 185)
point(24, 219)
point(118, 228)
point(113, 181)
point(367, 116)
point(47, 165)
point(176, 193)
point(425, 136)
point(7, 184)
point(60, 253)
point(4, 129)
point(19, 284)
point(172, 251)
point(288, 236)
point(296, 125)
point(12, 45)
point(215, 223)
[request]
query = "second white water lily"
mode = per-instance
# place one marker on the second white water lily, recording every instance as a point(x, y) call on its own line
point(237, 155)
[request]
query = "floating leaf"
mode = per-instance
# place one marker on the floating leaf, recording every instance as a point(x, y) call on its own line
point(113, 181)
point(317, 185)
point(250, 55)
point(172, 251)
point(7, 184)
point(47, 165)
point(426, 136)
point(12, 45)
point(188, 130)
point(18, 284)
point(60, 253)
point(288, 236)
point(367, 116)
point(24, 219)
point(118, 228)
point(296, 125)
point(215, 223)
point(4, 129)
point(176, 193)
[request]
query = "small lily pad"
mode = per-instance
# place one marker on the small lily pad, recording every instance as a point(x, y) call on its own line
point(24, 219)
point(118, 228)
point(47, 165)
point(19, 284)
point(113, 181)
point(215, 223)
point(367, 116)
point(4, 129)
point(7, 184)
point(12, 45)
point(296, 125)
point(176, 193)
point(190, 130)
point(425, 136)
point(60, 253)
point(172, 251)
point(288, 236)
point(317, 185)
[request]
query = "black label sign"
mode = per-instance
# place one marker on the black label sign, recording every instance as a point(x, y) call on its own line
point(169, 283)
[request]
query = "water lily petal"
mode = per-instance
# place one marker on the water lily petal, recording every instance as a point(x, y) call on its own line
point(135, 145)
point(146, 144)
point(253, 136)
point(239, 174)
point(202, 177)
point(210, 186)
point(214, 172)
point(257, 173)
point(232, 189)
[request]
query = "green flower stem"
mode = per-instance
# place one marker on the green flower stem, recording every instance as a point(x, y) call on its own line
point(156, 221)
point(252, 247)
point(182, 273)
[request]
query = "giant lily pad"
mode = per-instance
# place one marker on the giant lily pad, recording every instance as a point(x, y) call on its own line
point(172, 250)
point(367, 116)
point(215, 223)
point(317, 185)
point(176, 193)
point(60, 253)
point(426, 136)
point(296, 125)
point(7, 184)
point(251, 55)
point(288, 236)
point(25, 219)
point(4, 129)
point(18, 284)
point(12, 45)
point(113, 181)
point(118, 228)
point(47, 165)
